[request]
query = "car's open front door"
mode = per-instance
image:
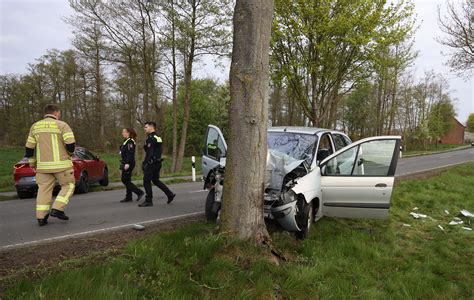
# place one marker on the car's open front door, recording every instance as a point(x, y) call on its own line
point(357, 181)
point(214, 149)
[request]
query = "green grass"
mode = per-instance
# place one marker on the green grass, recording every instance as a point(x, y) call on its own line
point(11, 155)
point(431, 149)
point(367, 259)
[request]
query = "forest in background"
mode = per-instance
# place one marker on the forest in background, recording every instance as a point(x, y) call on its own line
point(344, 64)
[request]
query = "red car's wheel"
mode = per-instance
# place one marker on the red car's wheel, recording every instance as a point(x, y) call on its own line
point(83, 186)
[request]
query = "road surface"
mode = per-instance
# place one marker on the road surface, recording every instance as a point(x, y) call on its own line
point(101, 211)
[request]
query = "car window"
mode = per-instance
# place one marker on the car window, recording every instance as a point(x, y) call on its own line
point(89, 155)
point(343, 163)
point(325, 147)
point(214, 146)
point(79, 153)
point(295, 145)
point(339, 141)
point(374, 158)
point(371, 158)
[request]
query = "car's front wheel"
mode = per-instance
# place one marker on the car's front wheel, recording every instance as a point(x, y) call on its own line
point(211, 215)
point(83, 186)
point(305, 218)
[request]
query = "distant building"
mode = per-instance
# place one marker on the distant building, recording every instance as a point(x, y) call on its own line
point(455, 135)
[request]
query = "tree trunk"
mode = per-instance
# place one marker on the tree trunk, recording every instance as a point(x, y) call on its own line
point(188, 69)
point(174, 88)
point(242, 214)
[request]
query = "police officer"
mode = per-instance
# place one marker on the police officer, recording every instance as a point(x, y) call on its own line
point(127, 152)
point(49, 147)
point(152, 164)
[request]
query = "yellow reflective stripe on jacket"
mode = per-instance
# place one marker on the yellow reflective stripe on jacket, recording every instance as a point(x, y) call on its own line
point(158, 139)
point(54, 165)
point(126, 141)
point(43, 207)
point(68, 135)
point(31, 140)
point(55, 147)
point(38, 155)
point(46, 130)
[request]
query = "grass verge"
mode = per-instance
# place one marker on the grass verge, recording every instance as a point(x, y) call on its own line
point(340, 259)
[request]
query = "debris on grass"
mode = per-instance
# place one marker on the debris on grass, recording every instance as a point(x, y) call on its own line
point(406, 225)
point(418, 216)
point(467, 228)
point(446, 211)
point(138, 227)
point(465, 213)
point(415, 208)
point(441, 227)
point(456, 222)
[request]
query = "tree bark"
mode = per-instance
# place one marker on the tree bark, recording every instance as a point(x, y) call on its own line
point(242, 214)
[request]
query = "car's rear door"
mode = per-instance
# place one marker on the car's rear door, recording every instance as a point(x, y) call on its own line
point(214, 148)
point(357, 181)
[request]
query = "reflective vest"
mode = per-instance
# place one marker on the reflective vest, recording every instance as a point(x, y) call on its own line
point(49, 138)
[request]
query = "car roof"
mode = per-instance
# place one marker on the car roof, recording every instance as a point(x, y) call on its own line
point(299, 129)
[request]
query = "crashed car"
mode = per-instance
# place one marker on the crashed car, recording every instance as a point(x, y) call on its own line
point(311, 173)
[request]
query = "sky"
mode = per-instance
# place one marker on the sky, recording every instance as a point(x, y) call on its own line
point(29, 27)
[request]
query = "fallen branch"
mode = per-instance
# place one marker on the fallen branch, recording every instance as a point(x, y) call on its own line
point(203, 285)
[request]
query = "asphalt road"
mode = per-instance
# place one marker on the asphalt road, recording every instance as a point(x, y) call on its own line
point(101, 211)
point(422, 163)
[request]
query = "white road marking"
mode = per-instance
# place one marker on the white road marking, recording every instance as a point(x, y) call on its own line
point(67, 236)
point(198, 191)
point(446, 156)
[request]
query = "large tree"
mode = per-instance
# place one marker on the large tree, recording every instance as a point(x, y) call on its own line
point(458, 25)
point(242, 213)
point(320, 48)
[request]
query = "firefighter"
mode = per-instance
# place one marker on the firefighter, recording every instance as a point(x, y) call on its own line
point(152, 164)
point(127, 152)
point(49, 147)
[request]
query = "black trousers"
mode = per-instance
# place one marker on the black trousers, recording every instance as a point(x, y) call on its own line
point(152, 174)
point(127, 181)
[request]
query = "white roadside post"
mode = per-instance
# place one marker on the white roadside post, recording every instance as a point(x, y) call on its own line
point(193, 160)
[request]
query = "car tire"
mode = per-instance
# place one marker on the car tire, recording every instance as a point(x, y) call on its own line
point(24, 194)
point(211, 199)
point(105, 178)
point(83, 186)
point(305, 219)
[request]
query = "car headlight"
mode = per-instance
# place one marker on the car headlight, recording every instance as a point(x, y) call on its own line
point(287, 197)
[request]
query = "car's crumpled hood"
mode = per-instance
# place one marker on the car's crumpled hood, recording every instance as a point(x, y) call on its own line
point(278, 165)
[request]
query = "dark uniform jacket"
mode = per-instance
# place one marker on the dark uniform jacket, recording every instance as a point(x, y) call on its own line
point(127, 152)
point(153, 148)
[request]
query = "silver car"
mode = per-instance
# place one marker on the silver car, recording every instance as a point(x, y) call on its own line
point(311, 173)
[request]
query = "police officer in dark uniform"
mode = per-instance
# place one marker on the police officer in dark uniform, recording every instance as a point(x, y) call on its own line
point(127, 163)
point(152, 165)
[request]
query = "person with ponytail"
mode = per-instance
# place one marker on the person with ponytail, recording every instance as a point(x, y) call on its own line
point(127, 163)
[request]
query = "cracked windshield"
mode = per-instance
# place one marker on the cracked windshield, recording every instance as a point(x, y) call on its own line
point(296, 146)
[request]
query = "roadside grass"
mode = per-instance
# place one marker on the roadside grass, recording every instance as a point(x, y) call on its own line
point(430, 149)
point(11, 155)
point(368, 259)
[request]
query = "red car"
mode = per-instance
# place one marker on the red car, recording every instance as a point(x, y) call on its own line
point(88, 169)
